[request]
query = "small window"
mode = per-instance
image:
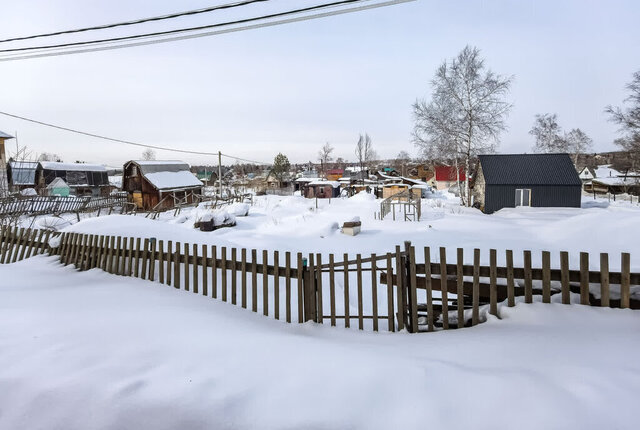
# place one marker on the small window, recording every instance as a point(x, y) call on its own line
point(523, 197)
point(134, 171)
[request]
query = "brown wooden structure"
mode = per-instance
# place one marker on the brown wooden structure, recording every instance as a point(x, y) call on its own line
point(160, 185)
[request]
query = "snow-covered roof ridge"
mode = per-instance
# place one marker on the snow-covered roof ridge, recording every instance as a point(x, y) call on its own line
point(334, 184)
point(23, 164)
point(173, 180)
point(78, 167)
point(4, 135)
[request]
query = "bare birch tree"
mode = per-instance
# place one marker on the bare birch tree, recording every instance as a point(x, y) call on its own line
point(465, 115)
point(629, 121)
point(148, 154)
point(364, 153)
point(324, 155)
point(551, 139)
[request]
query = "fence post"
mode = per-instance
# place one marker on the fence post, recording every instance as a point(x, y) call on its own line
point(309, 290)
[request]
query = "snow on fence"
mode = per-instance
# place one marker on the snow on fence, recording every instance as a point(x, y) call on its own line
point(42, 205)
point(378, 292)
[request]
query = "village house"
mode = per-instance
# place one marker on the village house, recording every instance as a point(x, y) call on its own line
point(160, 185)
point(321, 189)
point(334, 174)
point(446, 177)
point(83, 179)
point(538, 180)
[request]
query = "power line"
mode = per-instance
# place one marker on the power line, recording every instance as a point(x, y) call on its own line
point(14, 57)
point(182, 30)
point(126, 142)
point(139, 21)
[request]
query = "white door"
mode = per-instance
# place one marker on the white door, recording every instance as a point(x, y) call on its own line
point(523, 197)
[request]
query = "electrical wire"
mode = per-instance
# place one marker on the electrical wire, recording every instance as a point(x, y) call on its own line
point(139, 21)
point(182, 30)
point(16, 57)
point(128, 142)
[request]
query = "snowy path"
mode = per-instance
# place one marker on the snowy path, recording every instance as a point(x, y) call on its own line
point(95, 351)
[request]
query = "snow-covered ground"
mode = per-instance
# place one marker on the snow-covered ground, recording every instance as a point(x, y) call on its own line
point(88, 350)
point(294, 224)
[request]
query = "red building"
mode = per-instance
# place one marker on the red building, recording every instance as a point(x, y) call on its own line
point(446, 176)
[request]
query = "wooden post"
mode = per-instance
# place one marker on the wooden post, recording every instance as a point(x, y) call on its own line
point(254, 280)
point(475, 311)
point(511, 300)
point(443, 288)
point(152, 260)
point(194, 259)
point(145, 259)
point(234, 276)
point(493, 287)
point(564, 277)
point(169, 260)
point(332, 290)
point(309, 291)
point(205, 272)
point(276, 284)
point(265, 282)
point(287, 271)
point(460, 286)
point(299, 283)
point(177, 262)
point(319, 309)
point(161, 261)
point(528, 284)
point(123, 257)
point(584, 278)
point(546, 277)
point(604, 280)
point(374, 292)
point(347, 316)
point(413, 295)
point(136, 268)
point(400, 286)
point(359, 290)
point(625, 280)
point(391, 326)
point(187, 285)
point(214, 272)
point(243, 270)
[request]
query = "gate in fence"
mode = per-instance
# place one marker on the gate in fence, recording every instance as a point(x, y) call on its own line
point(392, 292)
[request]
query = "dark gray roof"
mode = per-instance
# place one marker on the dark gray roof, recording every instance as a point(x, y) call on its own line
point(154, 166)
point(529, 169)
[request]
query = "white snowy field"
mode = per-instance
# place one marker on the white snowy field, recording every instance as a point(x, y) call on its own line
point(89, 350)
point(294, 224)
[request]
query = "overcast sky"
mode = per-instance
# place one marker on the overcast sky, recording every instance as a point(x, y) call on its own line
point(292, 88)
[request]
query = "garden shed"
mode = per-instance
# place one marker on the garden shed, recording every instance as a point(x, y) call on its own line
point(321, 189)
point(83, 179)
point(21, 174)
point(58, 187)
point(160, 185)
point(538, 180)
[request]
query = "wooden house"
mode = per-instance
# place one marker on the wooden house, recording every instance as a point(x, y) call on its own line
point(446, 177)
point(334, 174)
point(321, 189)
point(160, 185)
point(538, 180)
point(83, 179)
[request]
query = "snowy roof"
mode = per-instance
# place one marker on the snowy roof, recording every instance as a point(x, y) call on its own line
point(57, 183)
point(4, 135)
point(605, 171)
point(173, 180)
point(152, 166)
point(334, 184)
point(23, 172)
point(616, 180)
point(78, 167)
point(307, 179)
point(23, 164)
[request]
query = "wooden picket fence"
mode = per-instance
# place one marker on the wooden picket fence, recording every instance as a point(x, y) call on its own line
point(388, 292)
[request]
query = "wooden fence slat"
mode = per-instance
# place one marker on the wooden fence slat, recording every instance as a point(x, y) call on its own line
point(187, 285)
point(332, 290)
point(287, 276)
point(254, 280)
point(145, 259)
point(347, 316)
point(319, 297)
point(18, 242)
point(604, 279)
point(81, 252)
point(299, 285)
point(243, 280)
point(391, 326)
point(123, 257)
point(110, 253)
point(196, 267)
point(493, 287)
point(276, 285)
point(528, 285)
point(100, 252)
point(546, 277)
point(214, 272)
point(443, 288)
point(310, 308)
point(460, 286)
point(374, 292)
point(234, 276)
point(205, 272)
point(359, 280)
point(584, 278)
point(511, 299)
point(177, 262)
point(119, 255)
point(32, 240)
point(136, 257)
point(169, 261)
point(564, 269)
point(161, 261)
point(413, 294)
point(46, 247)
point(475, 300)
point(625, 280)
point(400, 293)
point(265, 283)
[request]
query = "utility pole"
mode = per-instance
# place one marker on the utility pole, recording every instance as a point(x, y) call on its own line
point(220, 171)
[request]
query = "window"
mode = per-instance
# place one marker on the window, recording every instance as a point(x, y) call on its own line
point(523, 197)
